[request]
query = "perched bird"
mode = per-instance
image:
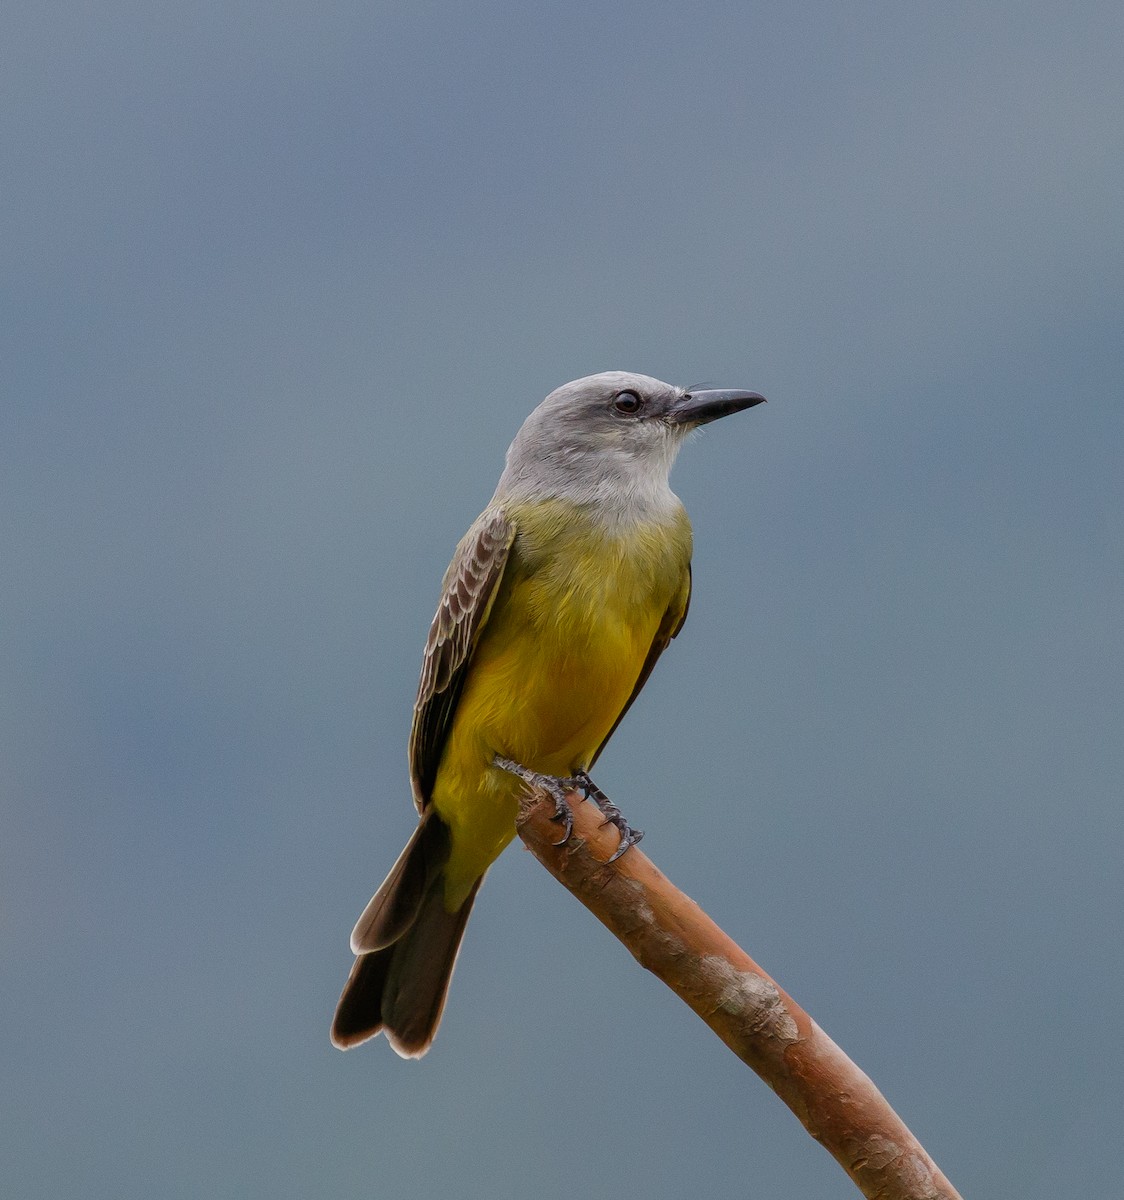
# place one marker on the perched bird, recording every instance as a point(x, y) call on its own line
point(556, 605)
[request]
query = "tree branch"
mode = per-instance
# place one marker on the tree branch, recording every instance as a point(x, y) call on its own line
point(673, 938)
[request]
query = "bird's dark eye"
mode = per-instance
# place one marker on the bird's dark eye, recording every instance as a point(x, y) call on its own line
point(628, 403)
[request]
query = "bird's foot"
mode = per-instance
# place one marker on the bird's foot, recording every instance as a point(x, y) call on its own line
point(612, 814)
point(554, 787)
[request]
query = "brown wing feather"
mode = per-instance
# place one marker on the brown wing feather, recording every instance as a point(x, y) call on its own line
point(469, 589)
point(669, 628)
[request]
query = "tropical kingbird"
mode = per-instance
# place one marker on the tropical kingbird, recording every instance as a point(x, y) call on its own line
point(556, 605)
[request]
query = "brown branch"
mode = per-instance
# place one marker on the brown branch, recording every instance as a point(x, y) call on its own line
point(673, 938)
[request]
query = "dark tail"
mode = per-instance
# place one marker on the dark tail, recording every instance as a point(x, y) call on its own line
point(407, 947)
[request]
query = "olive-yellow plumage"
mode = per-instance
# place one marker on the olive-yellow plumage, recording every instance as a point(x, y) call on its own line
point(570, 629)
point(556, 606)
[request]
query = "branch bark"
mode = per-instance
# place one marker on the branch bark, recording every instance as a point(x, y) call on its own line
point(673, 938)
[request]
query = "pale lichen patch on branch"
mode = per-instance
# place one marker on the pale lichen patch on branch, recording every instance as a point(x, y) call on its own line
point(877, 1152)
point(749, 997)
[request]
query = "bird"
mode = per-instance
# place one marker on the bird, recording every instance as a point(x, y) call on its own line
point(554, 609)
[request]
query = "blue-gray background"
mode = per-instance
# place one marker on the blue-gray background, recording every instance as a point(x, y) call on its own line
point(280, 282)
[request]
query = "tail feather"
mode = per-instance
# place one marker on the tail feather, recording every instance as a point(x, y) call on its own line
point(394, 907)
point(398, 983)
point(418, 981)
point(359, 1012)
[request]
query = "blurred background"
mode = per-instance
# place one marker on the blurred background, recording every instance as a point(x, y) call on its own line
point(280, 283)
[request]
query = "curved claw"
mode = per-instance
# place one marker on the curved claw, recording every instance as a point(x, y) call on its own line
point(565, 814)
point(629, 837)
point(613, 816)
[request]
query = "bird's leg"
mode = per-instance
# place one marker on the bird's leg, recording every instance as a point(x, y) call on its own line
point(554, 787)
point(612, 814)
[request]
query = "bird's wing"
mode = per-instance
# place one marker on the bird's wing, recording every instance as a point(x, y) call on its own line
point(468, 591)
point(669, 627)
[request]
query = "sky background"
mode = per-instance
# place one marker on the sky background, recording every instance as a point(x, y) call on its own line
point(280, 281)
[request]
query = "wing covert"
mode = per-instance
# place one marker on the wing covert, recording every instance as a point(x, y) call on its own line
point(468, 590)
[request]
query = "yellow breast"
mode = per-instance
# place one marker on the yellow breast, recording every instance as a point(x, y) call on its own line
point(572, 625)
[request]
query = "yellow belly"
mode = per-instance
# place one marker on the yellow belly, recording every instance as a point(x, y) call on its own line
point(550, 675)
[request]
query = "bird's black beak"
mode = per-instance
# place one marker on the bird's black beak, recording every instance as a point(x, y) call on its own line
point(697, 408)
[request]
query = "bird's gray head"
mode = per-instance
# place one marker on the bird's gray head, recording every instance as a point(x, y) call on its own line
point(610, 439)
